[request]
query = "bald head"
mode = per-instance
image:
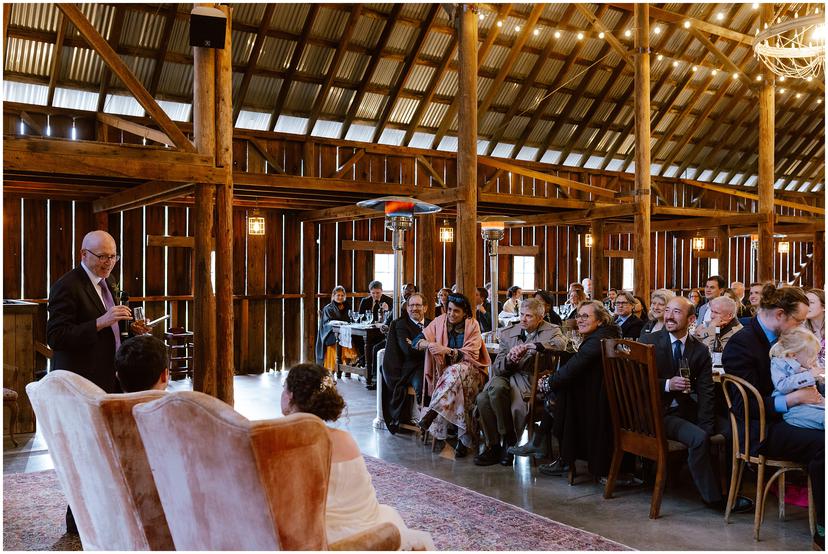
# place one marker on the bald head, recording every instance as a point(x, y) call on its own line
point(99, 253)
point(679, 315)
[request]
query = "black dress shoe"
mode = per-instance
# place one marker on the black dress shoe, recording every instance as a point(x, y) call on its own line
point(555, 469)
point(460, 450)
point(742, 505)
point(426, 421)
point(507, 459)
point(371, 386)
point(489, 457)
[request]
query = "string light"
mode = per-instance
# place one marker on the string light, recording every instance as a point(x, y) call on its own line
point(657, 30)
point(782, 79)
point(799, 95)
point(557, 34)
point(781, 91)
point(819, 100)
point(758, 77)
point(755, 5)
point(675, 64)
point(500, 24)
point(580, 36)
point(601, 35)
point(735, 75)
point(628, 33)
point(695, 68)
point(715, 71)
point(686, 23)
point(517, 28)
point(536, 32)
point(809, 79)
point(720, 16)
point(659, 57)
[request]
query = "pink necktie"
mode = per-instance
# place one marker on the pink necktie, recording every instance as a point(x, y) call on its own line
point(109, 303)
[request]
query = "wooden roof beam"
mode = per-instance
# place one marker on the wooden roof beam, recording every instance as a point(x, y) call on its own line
point(526, 87)
point(134, 128)
point(579, 216)
point(724, 59)
point(811, 153)
point(408, 66)
point(534, 174)
point(344, 41)
point(815, 137)
point(439, 197)
point(688, 224)
point(261, 148)
point(114, 42)
point(120, 69)
point(298, 50)
point(595, 21)
point(450, 114)
point(732, 191)
point(149, 193)
point(255, 53)
point(63, 24)
point(509, 62)
point(678, 20)
point(166, 33)
point(356, 100)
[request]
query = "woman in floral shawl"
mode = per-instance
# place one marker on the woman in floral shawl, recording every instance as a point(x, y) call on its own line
point(455, 370)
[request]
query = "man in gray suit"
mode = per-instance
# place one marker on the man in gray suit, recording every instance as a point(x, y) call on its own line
point(503, 403)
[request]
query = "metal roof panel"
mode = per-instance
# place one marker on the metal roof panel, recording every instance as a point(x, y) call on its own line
point(315, 59)
point(142, 29)
point(403, 111)
point(420, 78)
point(37, 16)
point(28, 56)
point(290, 17)
point(301, 96)
point(337, 102)
point(330, 23)
point(385, 72)
point(276, 53)
point(353, 66)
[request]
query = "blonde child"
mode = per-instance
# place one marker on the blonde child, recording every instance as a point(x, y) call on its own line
point(794, 366)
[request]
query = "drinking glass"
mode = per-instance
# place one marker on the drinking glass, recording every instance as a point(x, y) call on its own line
point(138, 313)
point(684, 371)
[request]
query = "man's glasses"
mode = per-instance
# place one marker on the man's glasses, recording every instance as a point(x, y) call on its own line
point(621, 303)
point(105, 258)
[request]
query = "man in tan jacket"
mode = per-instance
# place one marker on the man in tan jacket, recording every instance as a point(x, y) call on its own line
point(503, 404)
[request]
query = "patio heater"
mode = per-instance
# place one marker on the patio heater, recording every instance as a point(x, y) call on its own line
point(399, 217)
point(492, 230)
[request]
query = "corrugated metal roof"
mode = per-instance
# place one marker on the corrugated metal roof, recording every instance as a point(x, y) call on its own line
point(420, 78)
point(315, 59)
point(434, 115)
point(367, 32)
point(290, 17)
point(435, 45)
point(448, 85)
point(28, 56)
point(416, 11)
point(403, 111)
point(249, 14)
point(530, 100)
point(487, 124)
point(242, 47)
point(523, 65)
point(142, 29)
point(37, 16)
point(337, 101)
point(540, 131)
point(180, 38)
point(507, 94)
point(99, 15)
point(277, 53)
point(262, 91)
point(402, 37)
point(176, 78)
point(483, 86)
point(81, 64)
point(385, 72)
point(353, 66)
point(371, 106)
point(300, 96)
point(330, 23)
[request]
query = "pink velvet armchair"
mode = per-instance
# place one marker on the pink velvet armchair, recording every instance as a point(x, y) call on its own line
point(227, 483)
point(100, 462)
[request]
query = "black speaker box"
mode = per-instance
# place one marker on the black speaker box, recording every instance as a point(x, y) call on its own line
point(207, 31)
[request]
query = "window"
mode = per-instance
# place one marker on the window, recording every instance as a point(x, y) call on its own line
point(714, 266)
point(628, 275)
point(523, 270)
point(384, 270)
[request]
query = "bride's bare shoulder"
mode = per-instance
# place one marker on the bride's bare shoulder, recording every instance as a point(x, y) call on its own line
point(343, 445)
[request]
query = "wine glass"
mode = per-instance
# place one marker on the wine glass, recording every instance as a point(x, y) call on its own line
point(684, 371)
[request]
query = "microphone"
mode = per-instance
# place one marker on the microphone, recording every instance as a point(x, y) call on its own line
point(124, 324)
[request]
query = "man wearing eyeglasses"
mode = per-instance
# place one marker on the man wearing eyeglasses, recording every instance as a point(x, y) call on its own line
point(630, 325)
point(84, 313)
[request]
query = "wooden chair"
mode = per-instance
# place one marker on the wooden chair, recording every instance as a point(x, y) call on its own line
point(10, 401)
point(631, 380)
point(546, 363)
point(741, 456)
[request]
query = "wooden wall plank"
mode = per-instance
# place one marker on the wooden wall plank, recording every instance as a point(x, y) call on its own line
point(132, 252)
point(363, 261)
point(60, 238)
point(256, 285)
point(273, 312)
point(12, 251)
point(345, 260)
point(293, 313)
point(34, 249)
point(327, 257)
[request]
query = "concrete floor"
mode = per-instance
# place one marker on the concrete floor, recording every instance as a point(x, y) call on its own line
point(685, 523)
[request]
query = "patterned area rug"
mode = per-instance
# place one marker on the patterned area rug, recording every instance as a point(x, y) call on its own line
point(34, 511)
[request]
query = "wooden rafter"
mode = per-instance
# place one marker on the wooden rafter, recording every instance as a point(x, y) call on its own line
point(733, 191)
point(509, 62)
point(134, 128)
point(119, 68)
point(808, 153)
point(7, 7)
point(407, 68)
point(164, 47)
point(436, 79)
point(271, 161)
point(114, 42)
point(142, 195)
point(678, 19)
point(491, 38)
point(255, 53)
point(57, 52)
point(595, 21)
point(287, 81)
point(351, 162)
point(368, 76)
point(344, 40)
point(722, 57)
point(31, 123)
point(525, 87)
point(431, 171)
point(534, 174)
point(579, 216)
point(787, 150)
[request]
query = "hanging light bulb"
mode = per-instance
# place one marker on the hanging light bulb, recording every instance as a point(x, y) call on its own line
point(255, 223)
point(698, 243)
point(784, 247)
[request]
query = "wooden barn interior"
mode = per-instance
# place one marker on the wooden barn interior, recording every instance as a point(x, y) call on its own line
point(642, 146)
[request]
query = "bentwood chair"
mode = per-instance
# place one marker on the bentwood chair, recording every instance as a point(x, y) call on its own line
point(228, 483)
point(733, 385)
point(631, 380)
point(546, 363)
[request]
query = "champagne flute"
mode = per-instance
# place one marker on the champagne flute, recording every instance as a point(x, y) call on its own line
point(684, 371)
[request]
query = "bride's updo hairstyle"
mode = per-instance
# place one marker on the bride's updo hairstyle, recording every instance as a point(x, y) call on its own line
point(313, 391)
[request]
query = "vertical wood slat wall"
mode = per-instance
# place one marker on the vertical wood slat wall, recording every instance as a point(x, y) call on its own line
point(267, 279)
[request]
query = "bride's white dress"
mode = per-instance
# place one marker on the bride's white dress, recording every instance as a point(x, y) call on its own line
point(352, 507)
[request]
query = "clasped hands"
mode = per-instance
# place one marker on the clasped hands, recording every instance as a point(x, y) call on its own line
point(517, 352)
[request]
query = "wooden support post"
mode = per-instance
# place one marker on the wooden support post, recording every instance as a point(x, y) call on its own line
point(426, 272)
point(204, 301)
point(225, 368)
point(642, 150)
point(723, 238)
point(819, 260)
point(598, 269)
point(309, 280)
point(764, 265)
point(466, 240)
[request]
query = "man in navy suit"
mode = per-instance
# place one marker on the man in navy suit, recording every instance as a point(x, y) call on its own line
point(688, 403)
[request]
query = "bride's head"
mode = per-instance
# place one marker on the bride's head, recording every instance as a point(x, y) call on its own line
point(309, 388)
